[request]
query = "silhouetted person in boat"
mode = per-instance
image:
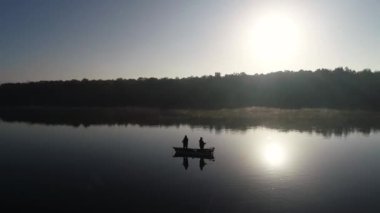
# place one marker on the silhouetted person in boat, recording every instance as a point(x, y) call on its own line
point(201, 143)
point(185, 141)
point(185, 162)
point(202, 163)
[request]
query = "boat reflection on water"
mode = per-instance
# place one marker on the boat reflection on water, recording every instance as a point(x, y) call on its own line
point(185, 163)
point(202, 163)
point(202, 154)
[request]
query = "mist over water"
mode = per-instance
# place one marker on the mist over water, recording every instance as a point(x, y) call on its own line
point(130, 167)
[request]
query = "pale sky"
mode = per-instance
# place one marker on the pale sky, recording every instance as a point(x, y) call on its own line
point(97, 39)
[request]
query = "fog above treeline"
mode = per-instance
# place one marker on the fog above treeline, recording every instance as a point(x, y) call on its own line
point(323, 88)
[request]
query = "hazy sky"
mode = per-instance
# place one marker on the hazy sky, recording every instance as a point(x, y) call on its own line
point(107, 39)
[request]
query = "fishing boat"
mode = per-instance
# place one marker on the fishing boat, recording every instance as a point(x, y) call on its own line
point(194, 153)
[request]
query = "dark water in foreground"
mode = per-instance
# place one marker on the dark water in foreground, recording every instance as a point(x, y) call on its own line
point(130, 168)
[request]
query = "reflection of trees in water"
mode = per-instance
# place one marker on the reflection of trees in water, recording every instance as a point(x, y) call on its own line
point(325, 122)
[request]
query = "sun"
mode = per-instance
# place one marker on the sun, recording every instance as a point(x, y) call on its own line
point(275, 37)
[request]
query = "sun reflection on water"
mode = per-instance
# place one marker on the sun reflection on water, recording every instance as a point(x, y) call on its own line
point(274, 155)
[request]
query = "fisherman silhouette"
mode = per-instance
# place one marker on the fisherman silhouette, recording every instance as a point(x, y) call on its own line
point(202, 163)
point(201, 143)
point(185, 162)
point(185, 142)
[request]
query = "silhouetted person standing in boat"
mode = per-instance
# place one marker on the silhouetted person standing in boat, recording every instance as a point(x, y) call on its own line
point(185, 142)
point(201, 143)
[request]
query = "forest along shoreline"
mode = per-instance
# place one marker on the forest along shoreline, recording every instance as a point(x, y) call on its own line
point(335, 89)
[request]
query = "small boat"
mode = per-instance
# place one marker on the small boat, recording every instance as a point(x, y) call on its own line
point(194, 153)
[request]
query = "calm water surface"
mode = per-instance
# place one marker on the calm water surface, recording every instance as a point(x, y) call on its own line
point(130, 168)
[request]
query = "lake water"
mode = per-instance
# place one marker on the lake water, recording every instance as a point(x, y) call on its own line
point(131, 168)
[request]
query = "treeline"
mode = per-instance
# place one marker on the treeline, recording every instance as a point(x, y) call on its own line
point(338, 88)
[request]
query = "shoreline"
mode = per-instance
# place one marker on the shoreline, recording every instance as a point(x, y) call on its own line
point(324, 121)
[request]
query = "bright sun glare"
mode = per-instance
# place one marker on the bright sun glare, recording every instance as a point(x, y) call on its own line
point(275, 37)
point(274, 155)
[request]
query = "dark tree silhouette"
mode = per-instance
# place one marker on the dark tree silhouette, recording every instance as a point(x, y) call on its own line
point(338, 88)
